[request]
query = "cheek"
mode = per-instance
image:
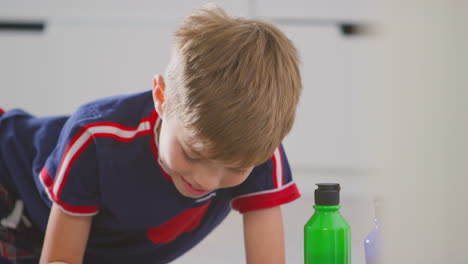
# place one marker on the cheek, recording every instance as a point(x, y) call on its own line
point(171, 156)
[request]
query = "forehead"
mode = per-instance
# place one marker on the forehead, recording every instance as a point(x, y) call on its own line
point(195, 146)
point(189, 140)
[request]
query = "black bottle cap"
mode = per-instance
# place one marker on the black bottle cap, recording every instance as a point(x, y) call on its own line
point(327, 194)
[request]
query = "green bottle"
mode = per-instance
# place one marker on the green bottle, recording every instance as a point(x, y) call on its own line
point(327, 235)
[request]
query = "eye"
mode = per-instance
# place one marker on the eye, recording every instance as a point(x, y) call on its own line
point(187, 157)
point(239, 171)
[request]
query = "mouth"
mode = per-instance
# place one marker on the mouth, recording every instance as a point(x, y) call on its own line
point(193, 190)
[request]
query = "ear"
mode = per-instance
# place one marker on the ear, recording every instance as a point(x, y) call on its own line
point(158, 94)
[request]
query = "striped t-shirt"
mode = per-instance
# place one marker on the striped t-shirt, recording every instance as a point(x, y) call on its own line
point(103, 161)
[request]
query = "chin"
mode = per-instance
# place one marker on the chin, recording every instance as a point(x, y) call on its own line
point(180, 187)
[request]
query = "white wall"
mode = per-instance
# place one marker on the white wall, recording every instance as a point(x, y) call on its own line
point(89, 49)
point(421, 125)
point(92, 49)
point(359, 98)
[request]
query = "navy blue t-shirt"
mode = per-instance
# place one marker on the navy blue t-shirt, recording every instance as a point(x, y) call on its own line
point(103, 161)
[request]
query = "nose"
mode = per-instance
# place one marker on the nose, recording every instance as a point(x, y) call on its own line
point(206, 177)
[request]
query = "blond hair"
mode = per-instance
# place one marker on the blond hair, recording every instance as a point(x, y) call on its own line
point(235, 83)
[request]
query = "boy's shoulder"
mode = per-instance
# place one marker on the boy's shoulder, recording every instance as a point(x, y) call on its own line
point(125, 109)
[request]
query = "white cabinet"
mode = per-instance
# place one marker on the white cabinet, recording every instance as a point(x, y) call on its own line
point(55, 72)
point(88, 50)
point(331, 132)
point(342, 10)
point(92, 49)
point(329, 135)
point(117, 9)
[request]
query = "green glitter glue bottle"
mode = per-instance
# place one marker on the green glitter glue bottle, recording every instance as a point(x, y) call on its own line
point(327, 235)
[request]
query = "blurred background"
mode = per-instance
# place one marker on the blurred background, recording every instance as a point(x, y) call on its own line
point(384, 110)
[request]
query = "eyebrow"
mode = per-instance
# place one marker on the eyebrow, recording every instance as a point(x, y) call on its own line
point(190, 149)
point(239, 169)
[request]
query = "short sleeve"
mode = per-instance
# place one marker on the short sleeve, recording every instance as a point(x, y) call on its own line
point(70, 175)
point(269, 185)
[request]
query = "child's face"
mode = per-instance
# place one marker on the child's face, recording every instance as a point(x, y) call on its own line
point(193, 176)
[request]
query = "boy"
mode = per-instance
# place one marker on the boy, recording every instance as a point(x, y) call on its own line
point(143, 178)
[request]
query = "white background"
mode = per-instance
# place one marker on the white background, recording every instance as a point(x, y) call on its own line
point(382, 113)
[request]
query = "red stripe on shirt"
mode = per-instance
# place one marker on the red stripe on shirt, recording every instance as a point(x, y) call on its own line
point(278, 180)
point(145, 132)
point(117, 125)
point(55, 197)
point(275, 177)
point(281, 179)
point(65, 154)
point(264, 200)
point(72, 160)
point(49, 185)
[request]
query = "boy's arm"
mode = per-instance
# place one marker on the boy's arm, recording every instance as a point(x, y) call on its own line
point(66, 237)
point(264, 237)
